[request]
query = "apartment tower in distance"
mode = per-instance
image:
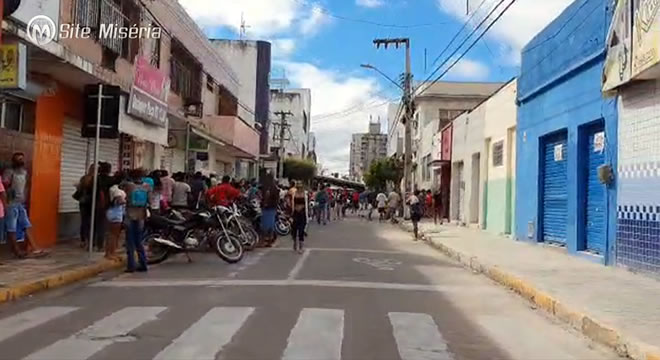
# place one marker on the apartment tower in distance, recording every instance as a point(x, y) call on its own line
point(365, 149)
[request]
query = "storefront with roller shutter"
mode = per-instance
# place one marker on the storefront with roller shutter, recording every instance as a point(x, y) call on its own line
point(566, 138)
point(77, 156)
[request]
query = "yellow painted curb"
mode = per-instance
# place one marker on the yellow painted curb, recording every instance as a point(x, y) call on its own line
point(22, 289)
point(583, 323)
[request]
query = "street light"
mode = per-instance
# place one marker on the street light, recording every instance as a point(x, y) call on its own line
point(369, 66)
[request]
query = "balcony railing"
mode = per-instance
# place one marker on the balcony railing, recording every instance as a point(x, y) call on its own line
point(103, 17)
point(186, 81)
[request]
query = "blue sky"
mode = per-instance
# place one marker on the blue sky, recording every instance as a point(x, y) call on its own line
point(321, 43)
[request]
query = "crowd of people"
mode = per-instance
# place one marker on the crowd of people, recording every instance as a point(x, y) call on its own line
point(125, 198)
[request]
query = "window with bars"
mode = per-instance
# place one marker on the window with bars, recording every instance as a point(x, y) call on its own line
point(498, 153)
point(17, 115)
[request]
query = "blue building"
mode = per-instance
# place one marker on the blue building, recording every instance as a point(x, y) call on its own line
point(567, 133)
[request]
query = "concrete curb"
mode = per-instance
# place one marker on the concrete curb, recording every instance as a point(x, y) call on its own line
point(22, 289)
point(590, 327)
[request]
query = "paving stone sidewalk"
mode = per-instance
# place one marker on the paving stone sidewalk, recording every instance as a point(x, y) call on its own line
point(611, 305)
point(66, 263)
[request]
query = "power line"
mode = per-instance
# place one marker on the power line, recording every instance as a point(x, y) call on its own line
point(469, 48)
point(354, 111)
point(465, 24)
point(461, 44)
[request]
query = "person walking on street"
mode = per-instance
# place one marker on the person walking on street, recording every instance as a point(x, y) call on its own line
point(393, 200)
point(416, 212)
point(137, 195)
point(15, 180)
point(381, 200)
point(299, 206)
point(321, 203)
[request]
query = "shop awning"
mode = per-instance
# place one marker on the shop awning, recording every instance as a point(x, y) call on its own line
point(201, 133)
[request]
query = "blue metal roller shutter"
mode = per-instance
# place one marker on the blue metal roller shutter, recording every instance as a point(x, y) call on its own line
point(595, 193)
point(555, 189)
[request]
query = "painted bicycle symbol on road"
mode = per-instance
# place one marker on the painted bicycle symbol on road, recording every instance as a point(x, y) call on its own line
point(380, 264)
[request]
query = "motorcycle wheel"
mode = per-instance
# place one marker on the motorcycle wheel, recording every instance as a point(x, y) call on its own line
point(229, 248)
point(248, 241)
point(156, 252)
point(251, 232)
point(282, 227)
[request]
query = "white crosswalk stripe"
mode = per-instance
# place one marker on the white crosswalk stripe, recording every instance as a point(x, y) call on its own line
point(205, 338)
point(318, 334)
point(418, 338)
point(111, 329)
point(18, 323)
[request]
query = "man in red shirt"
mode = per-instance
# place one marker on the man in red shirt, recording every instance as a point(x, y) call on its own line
point(223, 194)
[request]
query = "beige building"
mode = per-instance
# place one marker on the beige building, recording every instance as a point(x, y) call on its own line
point(435, 108)
point(365, 149)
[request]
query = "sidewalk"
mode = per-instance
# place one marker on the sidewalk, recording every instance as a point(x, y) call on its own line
point(609, 305)
point(66, 263)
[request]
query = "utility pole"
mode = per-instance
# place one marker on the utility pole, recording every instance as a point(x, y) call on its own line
point(408, 108)
point(282, 138)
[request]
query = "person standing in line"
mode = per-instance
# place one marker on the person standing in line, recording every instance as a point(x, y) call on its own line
point(197, 190)
point(180, 192)
point(381, 200)
point(416, 212)
point(15, 180)
point(270, 199)
point(156, 194)
point(115, 216)
point(437, 205)
point(104, 182)
point(3, 206)
point(137, 195)
point(167, 184)
point(299, 206)
point(223, 194)
point(83, 195)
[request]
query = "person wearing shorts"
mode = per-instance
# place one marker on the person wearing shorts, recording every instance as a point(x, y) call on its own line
point(381, 200)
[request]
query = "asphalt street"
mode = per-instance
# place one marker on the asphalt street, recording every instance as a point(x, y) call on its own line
point(360, 291)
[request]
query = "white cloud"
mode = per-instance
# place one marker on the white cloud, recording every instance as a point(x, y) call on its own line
point(467, 69)
point(518, 26)
point(317, 18)
point(370, 3)
point(264, 18)
point(332, 92)
point(282, 48)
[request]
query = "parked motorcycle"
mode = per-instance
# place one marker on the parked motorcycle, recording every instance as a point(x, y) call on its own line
point(200, 231)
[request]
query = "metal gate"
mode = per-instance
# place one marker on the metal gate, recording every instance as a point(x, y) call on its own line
point(595, 191)
point(555, 188)
point(75, 159)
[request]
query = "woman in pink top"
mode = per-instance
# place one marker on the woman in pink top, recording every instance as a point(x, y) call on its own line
point(3, 205)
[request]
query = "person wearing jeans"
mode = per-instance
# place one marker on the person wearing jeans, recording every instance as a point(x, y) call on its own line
point(137, 195)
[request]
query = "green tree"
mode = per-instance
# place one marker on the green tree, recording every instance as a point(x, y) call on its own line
point(383, 171)
point(299, 169)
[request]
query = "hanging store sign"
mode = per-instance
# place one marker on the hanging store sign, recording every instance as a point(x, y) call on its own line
point(617, 68)
point(13, 66)
point(149, 93)
point(646, 43)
